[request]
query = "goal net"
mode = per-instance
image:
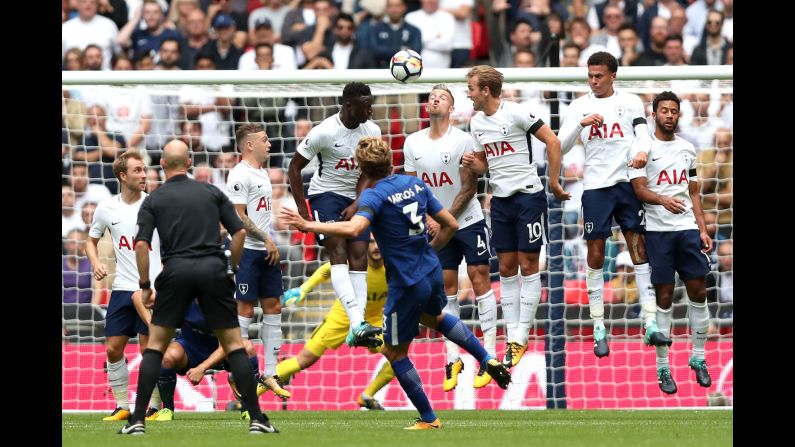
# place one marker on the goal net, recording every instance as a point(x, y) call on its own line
point(105, 113)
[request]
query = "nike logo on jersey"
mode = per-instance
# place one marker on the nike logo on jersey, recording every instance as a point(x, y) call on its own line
point(338, 145)
point(655, 159)
point(417, 158)
point(259, 186)
point(585, 114)
point(479, 134)
point(114, 223)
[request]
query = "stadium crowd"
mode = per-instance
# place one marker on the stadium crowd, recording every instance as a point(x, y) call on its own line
point(101, 123)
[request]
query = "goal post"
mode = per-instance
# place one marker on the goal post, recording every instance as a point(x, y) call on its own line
point(558, 371)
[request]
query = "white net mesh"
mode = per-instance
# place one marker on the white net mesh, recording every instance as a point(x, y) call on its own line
point(100, 121)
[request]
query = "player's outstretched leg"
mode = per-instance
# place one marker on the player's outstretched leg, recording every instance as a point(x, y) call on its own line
point(595, 285)
point(699, 324)
point(364, 334)
point(384, 376)
point(410, 381)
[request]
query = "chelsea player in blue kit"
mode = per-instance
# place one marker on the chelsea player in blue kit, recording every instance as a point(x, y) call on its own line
point(396, 207)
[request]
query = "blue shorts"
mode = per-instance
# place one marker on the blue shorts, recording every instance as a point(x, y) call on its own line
point(470, 243)
point(255, 278)
point(121, 318)
point(519, 222)
point(675, 250)
point(328, 207)
point(197, 346)
point(600, 206)
point(404, 305)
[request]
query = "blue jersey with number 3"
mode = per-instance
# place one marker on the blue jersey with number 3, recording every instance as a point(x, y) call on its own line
point(396, 207)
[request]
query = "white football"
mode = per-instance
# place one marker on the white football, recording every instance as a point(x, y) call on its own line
point(406, 65)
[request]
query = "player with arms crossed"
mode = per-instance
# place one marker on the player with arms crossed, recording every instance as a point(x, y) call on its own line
point(260, 276)
point(334, 328)
point(119, 214)
point(501, 130)
point(333, 193)
point(396, 206)
point(612, 127)
point(676, 237)
point(434, 154)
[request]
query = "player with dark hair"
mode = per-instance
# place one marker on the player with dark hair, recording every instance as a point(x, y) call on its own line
point(333, 196)
point(612, 126)
point(396, 207)
point(676, 236)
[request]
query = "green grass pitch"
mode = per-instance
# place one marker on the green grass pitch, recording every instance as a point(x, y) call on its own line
point(481, 428)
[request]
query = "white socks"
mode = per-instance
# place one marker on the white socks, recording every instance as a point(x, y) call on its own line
point(244, 322)
point(454, 309)
point(119, 379)
point(343, 286)
point(664, 325)
point(595, 284)
point(509, 298)
point(487, 312)
point(699, 323)
point(646, 294)
point(359, 283)
point(271, 335)
point(528, 302)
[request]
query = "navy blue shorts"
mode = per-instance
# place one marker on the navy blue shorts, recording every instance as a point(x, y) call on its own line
point(675, 250)
point(470, 243)
point(197, 346)
point(600, 206)
point(255, 278)
point(519, 222)
point(121, 318)
point(404, 305)
point(328, 207)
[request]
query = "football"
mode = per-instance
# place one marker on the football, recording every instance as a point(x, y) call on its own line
point(406, 65)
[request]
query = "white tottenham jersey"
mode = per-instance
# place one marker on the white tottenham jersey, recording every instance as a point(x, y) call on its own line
point(335, 147)
point(503, 136)
point(438, 163)
point(668, 172)
point(607, 147)
point(122, 220)
point(250, 186)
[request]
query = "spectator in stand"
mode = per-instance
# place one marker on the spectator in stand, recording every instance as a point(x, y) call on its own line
point(702, 125)
point(283, 57)
point(676, 25)
point(99, 148)
point(720, 283)
point(281, 233)
point(166, 110)
point(580, 34)
point(79, 285)
point(203, 173)
point(222, 164)
point(437, 28)
point(196, 37)
point(630, 45)
point(153, 179)
point(116, 10)
point(608, 36)
point(462, 31)
point(144, 61)
point(300, 131)
point(625, 289)
point(240, 19)
point(371, 14)
point(296, 21)
point(698, 16)
point(728, 20)
point(121, 62)
point(314, 39)
point(93, 58)
point(717, 173)
point(223, 50)
point(714, 47)
point(628, 8)
point(70, 219)
point(72, 60)
point(88, 28)
point(214, 112)
point(674, 51)
point(191, 135)
point(274, 11)
point(169, 54)
point(342, 52)
point(654, 50)
point(661, 8)
point(85, 191)
point(179, 14)
point(132, 36)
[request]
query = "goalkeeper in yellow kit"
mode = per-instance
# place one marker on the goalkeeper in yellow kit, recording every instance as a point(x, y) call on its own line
point(332, 331)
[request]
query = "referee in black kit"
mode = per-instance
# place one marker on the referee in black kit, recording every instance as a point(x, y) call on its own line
point(186, 214)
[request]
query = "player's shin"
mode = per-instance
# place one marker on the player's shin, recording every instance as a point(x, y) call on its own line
point(359, 283)
point(663, 317)
point(341, 280)
point(166, 384)
point(119, 378)
point(699, 323)
point(487, 312)
point(528, 302)
point(452, 328)
point(410, 381)
point(272, 341)
point(594, 283)
point(454, 309)
point(646, 293)
point(509, 298)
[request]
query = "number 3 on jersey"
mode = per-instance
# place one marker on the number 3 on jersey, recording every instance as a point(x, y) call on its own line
point(417, 225)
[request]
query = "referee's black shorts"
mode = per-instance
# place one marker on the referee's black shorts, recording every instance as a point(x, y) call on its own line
point(184, 279)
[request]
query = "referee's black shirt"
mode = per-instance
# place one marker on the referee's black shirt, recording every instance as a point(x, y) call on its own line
point(186, 214)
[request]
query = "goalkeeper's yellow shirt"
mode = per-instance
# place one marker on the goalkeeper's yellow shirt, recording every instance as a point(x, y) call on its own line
point(376, 297)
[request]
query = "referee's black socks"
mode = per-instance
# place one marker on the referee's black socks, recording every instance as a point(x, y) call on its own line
point(244, 378)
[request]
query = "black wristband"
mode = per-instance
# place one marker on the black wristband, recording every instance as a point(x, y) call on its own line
point(145, 284)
